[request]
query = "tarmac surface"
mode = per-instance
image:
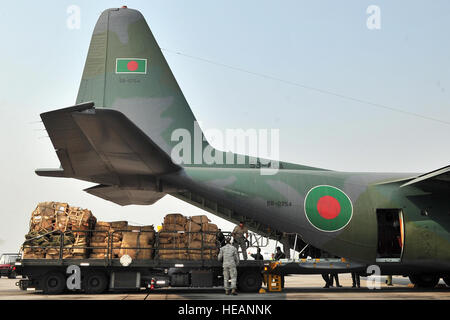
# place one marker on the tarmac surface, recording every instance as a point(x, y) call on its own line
point(297, 287)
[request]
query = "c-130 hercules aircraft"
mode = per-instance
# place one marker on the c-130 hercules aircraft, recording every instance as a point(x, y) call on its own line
point(120, 136)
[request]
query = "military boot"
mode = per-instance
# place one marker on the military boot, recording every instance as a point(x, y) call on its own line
point(233, 292)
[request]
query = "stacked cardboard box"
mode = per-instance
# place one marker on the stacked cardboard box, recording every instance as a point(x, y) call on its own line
point(107, 235)
point(51, 223)
point(191, 238)
point(138, 242)
point(48, 221)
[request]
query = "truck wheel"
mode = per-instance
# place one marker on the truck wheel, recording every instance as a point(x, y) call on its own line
point(54, 283)
point(95, 283)
point(424, 280)
point(250, 281)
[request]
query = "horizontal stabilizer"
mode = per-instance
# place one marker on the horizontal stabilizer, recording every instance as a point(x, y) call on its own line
point(122, 145)
point(57, 173)
point(75, 153)
point(101, 145)
point(125, 196)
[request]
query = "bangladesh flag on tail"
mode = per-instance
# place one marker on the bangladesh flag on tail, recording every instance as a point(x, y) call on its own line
point(328, 208)
point(131, 65)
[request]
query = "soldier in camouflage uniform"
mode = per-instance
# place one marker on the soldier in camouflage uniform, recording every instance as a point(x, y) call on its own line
point(228, 254)
point(240, 239)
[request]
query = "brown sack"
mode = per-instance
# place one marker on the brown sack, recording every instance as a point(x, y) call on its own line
point(171, 231)
point(81, 219)
point(207, 254)
point(98, 237)
point(172, 227)
point(141, 228)
point(79, 256)
point(147, 230)
point(136, 245)
point(164, 240)
point(171, 235)
point(175, 218)
point(39, 223)
point(119, 225)
point(173, 254)
point(198, 244)
point(210, 227)
point(116, 244)
point(199, 236)
point(176, 243)
point(33, 253)
point(116, 236)
point(102, 224)
point(98, 244)
point(200, 219)
point(192, 226)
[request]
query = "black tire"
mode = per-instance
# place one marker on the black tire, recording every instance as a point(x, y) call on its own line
point(12, 275)
point(250, 281)
point(95, 283)
point(426, 281)
point(54, 283)
point(447, 280)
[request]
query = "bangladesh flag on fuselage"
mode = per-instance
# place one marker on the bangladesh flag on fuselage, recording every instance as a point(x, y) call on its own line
point(131, 65)
point(328, 208)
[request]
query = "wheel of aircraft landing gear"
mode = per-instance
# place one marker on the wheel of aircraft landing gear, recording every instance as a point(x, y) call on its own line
point(95, 283)
point(424, 280)
point(447, 280)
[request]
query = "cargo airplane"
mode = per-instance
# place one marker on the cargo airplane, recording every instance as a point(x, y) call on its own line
point(120, 135)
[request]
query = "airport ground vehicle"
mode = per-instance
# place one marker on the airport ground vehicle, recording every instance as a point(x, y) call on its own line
point(112, 273)
point(7, 267)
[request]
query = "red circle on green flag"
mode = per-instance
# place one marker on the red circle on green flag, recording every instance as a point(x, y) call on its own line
point(328, 208)
point(132, 65)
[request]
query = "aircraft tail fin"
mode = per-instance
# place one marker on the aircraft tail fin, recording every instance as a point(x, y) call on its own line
point(125, 70)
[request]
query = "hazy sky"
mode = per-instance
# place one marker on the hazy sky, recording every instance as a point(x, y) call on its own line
point(320, 44)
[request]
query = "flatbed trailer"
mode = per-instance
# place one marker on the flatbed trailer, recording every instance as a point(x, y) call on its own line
point(99, 275)
point(54, 276)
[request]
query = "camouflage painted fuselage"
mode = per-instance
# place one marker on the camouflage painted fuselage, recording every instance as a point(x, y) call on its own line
point(277, 202)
